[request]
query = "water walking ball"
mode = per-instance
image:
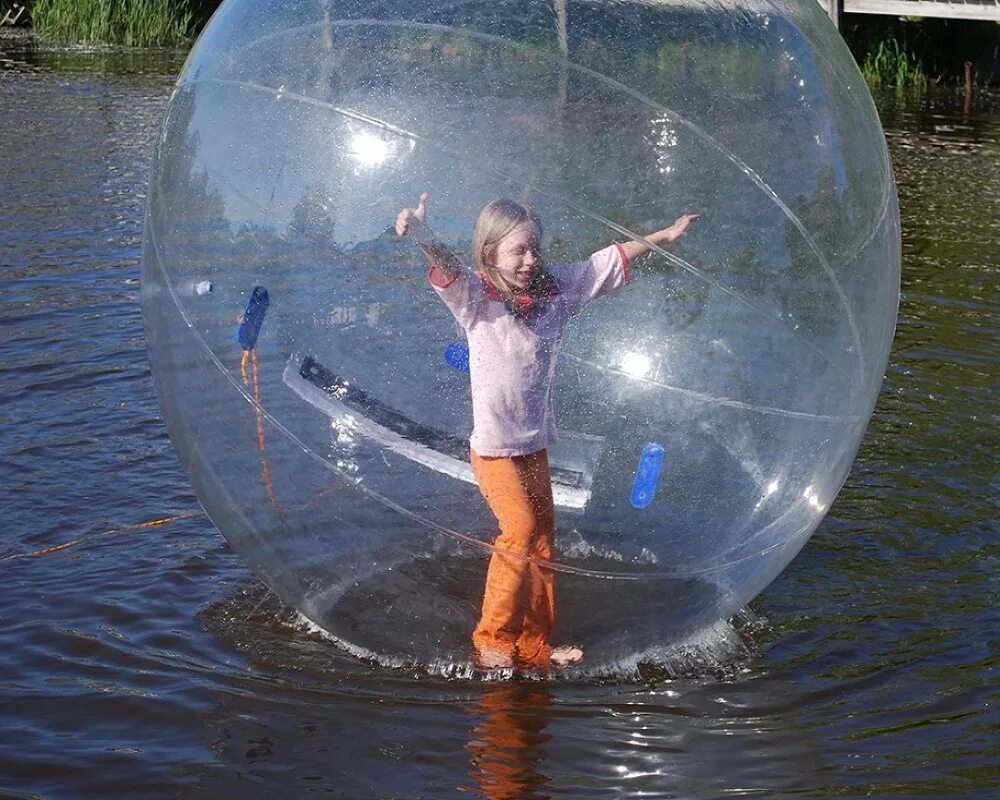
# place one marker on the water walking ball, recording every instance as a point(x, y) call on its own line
point(317, 391)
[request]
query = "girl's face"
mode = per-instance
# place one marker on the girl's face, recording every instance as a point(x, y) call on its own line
point(518, 258)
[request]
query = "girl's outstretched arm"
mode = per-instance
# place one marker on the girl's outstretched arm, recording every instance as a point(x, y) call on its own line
point(412, 222)
point(634, 249)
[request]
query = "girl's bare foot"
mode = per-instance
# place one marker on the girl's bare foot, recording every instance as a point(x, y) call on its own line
point(566, 654)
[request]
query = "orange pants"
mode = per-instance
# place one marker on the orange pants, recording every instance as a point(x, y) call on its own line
point(519, 601)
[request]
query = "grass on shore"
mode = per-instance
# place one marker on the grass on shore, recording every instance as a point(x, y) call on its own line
point(135, 23)
point(889, 63)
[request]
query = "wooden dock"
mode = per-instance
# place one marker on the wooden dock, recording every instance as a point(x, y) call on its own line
point(985, 10)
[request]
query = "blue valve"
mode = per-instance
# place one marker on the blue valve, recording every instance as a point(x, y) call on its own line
point(457, 356)
point(253, 318)
point(647, 475)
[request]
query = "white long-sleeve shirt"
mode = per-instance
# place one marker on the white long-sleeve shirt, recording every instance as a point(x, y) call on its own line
point(512, 360)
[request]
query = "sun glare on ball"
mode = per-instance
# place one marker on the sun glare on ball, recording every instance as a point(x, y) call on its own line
point(369, 150)
point(636, 364)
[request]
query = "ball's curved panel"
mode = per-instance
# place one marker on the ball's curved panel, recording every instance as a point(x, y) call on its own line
point(708, 415)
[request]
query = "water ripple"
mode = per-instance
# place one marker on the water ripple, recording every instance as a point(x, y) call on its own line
point(136, 656)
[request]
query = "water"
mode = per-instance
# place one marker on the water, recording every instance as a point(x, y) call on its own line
point(147, 662)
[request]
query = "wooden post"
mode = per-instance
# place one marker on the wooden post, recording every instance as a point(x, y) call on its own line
point(970, 87)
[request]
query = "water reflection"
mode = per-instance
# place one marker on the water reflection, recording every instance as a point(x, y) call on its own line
point(507, 748)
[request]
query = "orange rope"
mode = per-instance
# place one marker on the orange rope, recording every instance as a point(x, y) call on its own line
point(265, 467)
point(253, 375)
point(153, 523)
point(249, 357)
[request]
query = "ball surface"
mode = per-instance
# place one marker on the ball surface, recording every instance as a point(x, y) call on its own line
point(317, 391)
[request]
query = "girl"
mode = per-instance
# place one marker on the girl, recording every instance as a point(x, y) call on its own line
point(513, 311)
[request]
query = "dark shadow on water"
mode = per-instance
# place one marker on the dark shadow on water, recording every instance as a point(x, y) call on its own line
point(430, 606)
point(422, 610)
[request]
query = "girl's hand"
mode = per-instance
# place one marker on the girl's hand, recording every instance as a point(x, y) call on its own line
point(639, 247)
point(413, 221)
point(683, 222)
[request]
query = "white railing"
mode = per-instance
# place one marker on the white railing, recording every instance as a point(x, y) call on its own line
point(948, 9)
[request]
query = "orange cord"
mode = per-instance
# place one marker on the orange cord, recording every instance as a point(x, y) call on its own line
point(253, 375)
point(154, 523)
point(265, 468)
point(249, 357)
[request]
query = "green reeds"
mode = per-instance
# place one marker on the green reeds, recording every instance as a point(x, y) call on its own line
point(135, 23)
point(888, 63)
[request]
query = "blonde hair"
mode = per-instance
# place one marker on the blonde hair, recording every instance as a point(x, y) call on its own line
point(495, 221)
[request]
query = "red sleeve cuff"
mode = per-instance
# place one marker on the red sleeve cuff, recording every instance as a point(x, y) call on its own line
point(625, 265)
point(440, 279)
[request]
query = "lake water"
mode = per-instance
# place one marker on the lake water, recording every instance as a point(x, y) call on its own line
point(141, 660)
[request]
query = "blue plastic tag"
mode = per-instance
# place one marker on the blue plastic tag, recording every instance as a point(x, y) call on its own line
point(647, 475)
point(253, 318)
